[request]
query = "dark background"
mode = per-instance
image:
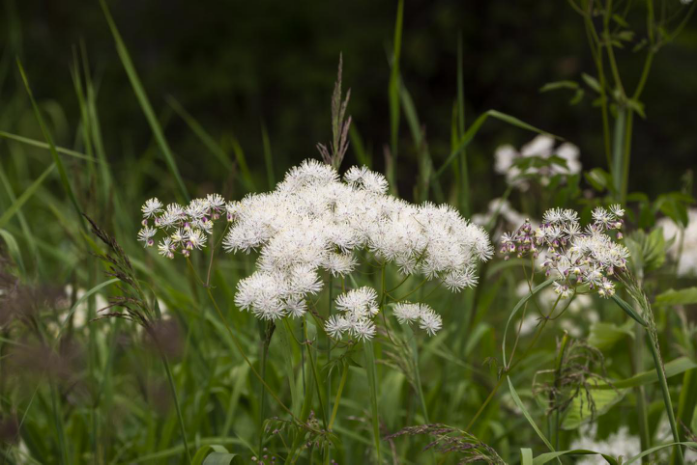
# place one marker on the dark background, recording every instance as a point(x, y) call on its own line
point(236, 65)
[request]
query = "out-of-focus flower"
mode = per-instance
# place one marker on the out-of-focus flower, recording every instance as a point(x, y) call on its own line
point(618, 444)
point(426, 317)
point(574, 257)
point(507, 161)
point(687, 257)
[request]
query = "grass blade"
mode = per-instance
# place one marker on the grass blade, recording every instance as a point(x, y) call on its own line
point(201, 133)
point(10, 212)
point(143, 100)
point(15, 253)
point(44, 145)
point(268, 157)
point(393, 93)
point(472, 131)
point(56, 158)
point(521, 406)
point(371, 371)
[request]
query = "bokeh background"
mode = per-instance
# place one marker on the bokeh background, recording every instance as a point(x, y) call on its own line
point(238, 66)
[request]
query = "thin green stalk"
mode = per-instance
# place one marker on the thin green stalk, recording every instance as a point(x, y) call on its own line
point(373, 384)
point(317, 386)
point(639, 391)
point(60, 427)
point(618, 151)
point(464, 187)
point(180, 418)
point(653, 342)
point(557, 386)
point(342, 383)
point(239, 348)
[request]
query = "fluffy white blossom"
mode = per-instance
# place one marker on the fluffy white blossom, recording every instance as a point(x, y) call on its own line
point(358, 307)
point(427, 318)
point(315, 221)
point(618, 444)
point(507, 159)
point(574, 257)
point(186, 227)
point(687, 257)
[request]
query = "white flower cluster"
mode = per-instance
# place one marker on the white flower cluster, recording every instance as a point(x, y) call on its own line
point(573, 256)
point(542, 147)
point(687, 256)
point(312, 221)
point(499, 208)
point(187, 227)
point(358, 307)
point(618, 444)
point(428, 319)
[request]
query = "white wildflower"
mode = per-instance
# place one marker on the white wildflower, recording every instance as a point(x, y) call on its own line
point(145, 236)
point(684, 246)
point(430, 321)
point(151, 207)
point(570, 255)
point(408, 312)
point(359, 302)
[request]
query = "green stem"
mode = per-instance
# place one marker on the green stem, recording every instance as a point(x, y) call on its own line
point(173, 388)
point(58, 418)
point(639, 391)
point(342, 383)
point(618, 152)
point(239, 348)
point(653, 342)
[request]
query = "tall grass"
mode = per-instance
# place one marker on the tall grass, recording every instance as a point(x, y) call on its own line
point(218, 386)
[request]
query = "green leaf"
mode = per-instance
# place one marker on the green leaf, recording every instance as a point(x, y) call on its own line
point(629, 310)
point(526, 457)
point(680, 297)
point(16, 205)
point(580, 412)
point(549, 456)
point(474, 128)
point(215, 455)
point(559, 85)
point(13, 250)
point(49, 140)
point(672, 368)
point(515, 310)
point(527, 415)
point(605, 335)
point(656, 449)
point(201, 133)
point(44, 145)
point(637, 106)
point(394, 84)
point(598, 178)
point(591, 82)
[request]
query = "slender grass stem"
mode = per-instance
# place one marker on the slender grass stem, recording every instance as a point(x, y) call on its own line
point(663, 382)
point(173, 388)
point(238, 345)
point(342, 383)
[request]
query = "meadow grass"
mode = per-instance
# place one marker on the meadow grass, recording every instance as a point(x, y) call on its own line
point(112, 354)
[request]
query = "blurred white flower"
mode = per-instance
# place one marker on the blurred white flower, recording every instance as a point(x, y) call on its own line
point(618, 444)
point(426, 317)
point(542, 147)
point(687, 258)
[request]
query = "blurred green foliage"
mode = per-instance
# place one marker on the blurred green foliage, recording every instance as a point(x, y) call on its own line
point(237, 66)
